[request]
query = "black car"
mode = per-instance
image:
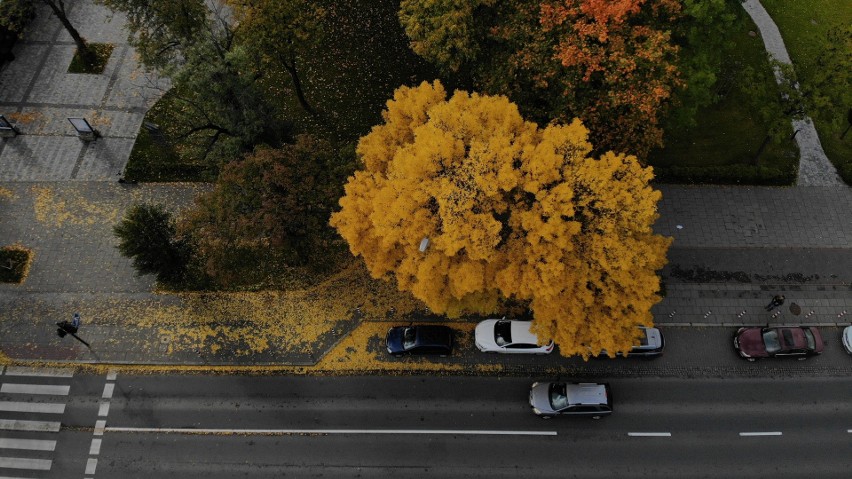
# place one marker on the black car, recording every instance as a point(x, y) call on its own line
point(422, 339)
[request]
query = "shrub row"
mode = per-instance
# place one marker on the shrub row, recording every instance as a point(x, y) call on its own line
point(726, 175)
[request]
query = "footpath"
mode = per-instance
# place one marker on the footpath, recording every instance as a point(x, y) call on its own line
point(734, 247)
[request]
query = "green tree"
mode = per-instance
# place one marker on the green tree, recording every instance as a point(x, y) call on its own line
point(281, 32)
point(511, 211)
point(160, 30)
point(269, 211)
point(444, 31)
point(147, 235)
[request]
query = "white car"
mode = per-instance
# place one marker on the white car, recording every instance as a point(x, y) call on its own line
point(509, 336)
point(847, 339)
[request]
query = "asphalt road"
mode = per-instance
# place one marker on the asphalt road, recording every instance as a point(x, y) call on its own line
point(233, 426)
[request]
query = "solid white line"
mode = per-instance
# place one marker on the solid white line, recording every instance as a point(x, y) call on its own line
point(44, 408)
point(25, 463)
point(38, 426)
point(91, 465)
point(111, 375)
point(649, 434)
point(95, 448)
point(770, 433)
point(108, 389)
point(43, 372)
point(272, 432)
point(31, 444)
point(103, 409)
point(50, 389)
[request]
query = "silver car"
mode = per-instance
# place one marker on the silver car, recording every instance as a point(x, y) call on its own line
point(548, 399)
point(650, 345)
point(847, 339)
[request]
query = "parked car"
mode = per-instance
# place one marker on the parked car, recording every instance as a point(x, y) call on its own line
point(421, 339)
point(548, 399)
point(847, 339)
point(650, 345)
point(799, 341)
point(508, 336)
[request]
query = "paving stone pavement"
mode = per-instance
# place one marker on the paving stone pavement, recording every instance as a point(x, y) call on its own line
point(38, 95)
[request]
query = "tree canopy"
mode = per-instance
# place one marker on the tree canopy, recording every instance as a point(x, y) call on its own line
point(268, 211)
point(511, 211)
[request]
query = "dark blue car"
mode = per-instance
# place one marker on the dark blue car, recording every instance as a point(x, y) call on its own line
point(422, 339)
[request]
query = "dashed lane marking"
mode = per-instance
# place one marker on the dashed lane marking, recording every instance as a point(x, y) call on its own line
point(766, 433)
point(649, 434)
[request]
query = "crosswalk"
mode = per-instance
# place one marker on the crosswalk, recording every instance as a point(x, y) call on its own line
point(32, 401)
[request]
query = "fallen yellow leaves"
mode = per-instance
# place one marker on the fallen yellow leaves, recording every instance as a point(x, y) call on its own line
point(52, 210)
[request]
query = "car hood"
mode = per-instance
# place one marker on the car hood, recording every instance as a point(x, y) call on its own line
point(751, 342)
point(394, 340)
point(540, 397)
point(484, 334)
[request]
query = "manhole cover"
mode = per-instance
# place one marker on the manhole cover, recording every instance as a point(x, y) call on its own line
point(795, 309)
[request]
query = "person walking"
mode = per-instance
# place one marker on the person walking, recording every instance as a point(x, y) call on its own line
point(777, 300)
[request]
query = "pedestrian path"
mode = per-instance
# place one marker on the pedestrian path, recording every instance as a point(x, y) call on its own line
point(815, 169)
point(32, 401)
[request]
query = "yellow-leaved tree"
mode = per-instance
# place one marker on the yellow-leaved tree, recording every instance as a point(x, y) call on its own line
point(510, 210)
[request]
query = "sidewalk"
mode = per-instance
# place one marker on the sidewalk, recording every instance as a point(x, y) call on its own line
point(771, 233)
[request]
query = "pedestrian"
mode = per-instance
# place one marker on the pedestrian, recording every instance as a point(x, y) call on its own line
point(777, 300)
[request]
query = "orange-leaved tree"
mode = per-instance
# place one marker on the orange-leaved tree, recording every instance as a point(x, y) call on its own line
point(510, 210)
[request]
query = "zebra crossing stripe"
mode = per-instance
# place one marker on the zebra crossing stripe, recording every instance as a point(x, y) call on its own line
point(36, 426)
point(46, 389)
point(30, 444)
point(41, 372)
point(25, 463)
point(43, 408)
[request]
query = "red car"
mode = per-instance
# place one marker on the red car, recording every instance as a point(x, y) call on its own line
point(799, 341)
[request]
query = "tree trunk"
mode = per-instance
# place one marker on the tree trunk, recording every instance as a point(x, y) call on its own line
point(760, 150)
point(297, 84)
point(58, 7)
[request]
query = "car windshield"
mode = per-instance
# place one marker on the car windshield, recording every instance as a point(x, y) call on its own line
point(503, 333)
point(558, 397)
point(770, 341)
point(408, 338)
point(809, 336)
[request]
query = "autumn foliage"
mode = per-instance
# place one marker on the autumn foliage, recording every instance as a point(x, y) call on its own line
point(511, 210)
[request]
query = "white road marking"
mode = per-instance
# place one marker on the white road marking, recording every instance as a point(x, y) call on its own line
point(649, 434)
point(103, 409)
point(25, 463)
point(273, 432)
point(43, 372)
point(111, 375)
point(51, 389)
point(99, 427)
point(95, 448)
point(108, 389)
point(31, 444)
point(37, 426)
point(768, 433)
point(91, 465)
point(44, 408)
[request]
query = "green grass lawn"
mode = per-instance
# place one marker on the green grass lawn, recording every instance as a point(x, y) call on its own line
point(804, 26)
point(729, 133)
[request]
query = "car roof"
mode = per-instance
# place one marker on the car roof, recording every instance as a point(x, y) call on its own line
point(431, 335)
point(586, 393)
point(521, 332)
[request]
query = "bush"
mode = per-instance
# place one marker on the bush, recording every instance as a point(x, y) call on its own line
point(725, 175)
point(148, 237)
